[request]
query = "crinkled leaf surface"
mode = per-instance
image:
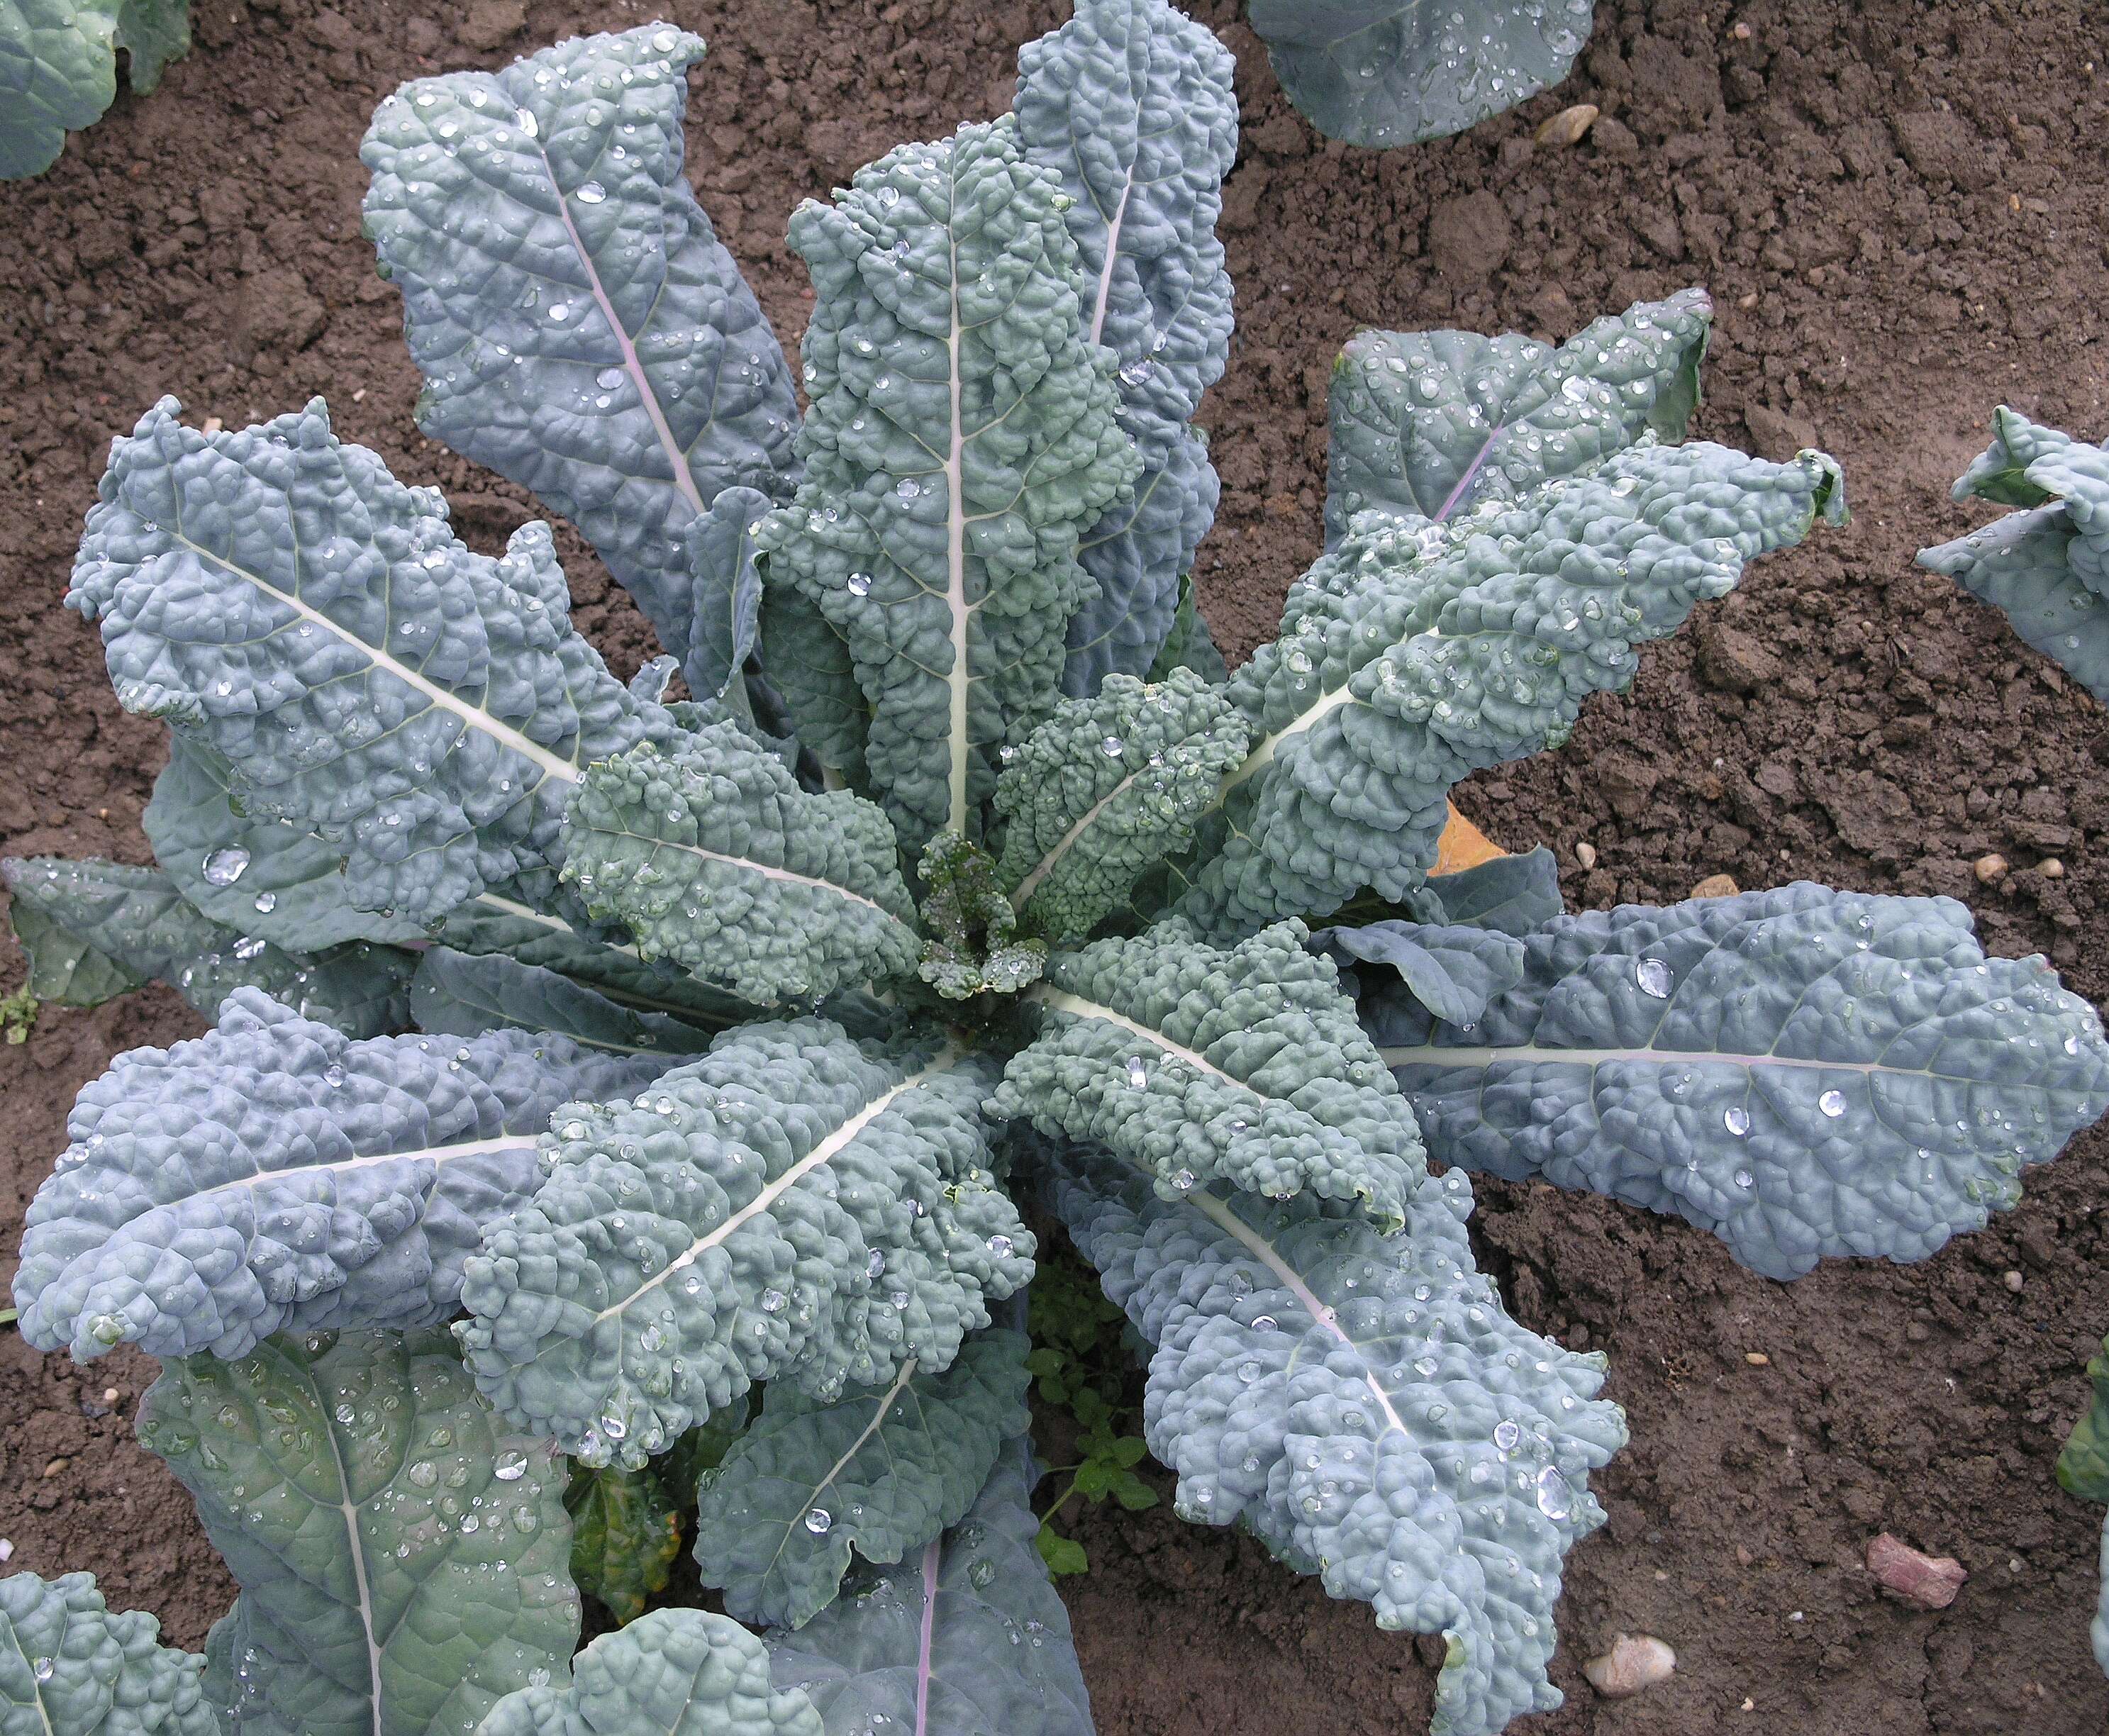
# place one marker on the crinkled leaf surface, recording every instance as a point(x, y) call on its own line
point(273, 1175)
point(402, 1555)
point(885, 1468)
point(1106, 788)
point(261, 877)
point(1410, 656)
point(673, 1672)
point(93, 930)
point(961, 439)
point(1130, 103)
point(794, 1207)
point(2046, 567)
point(580, 329)
point(1363, 1404)
point(2083, 1468)
point(715, 857)
point(1802, 1072)
point(1393, 72)
point(58, 73)
point(966, 1637)
point(1453, 972)
point(1200, 1064)
point(69, 1665)
point(1428, 424)
point(275, 594)
point(457, 994)
point(625, 1532)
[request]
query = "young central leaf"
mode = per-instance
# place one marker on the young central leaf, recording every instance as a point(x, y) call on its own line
point(715, 858)
point(402, 1557)
point(321, 1181)
point(275, 594)
point(793, 1206)
point(961, 438)
point(1243, 1065)
point(1105, 789)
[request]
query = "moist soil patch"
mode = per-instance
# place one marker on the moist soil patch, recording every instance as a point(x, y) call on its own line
point(1899, 209)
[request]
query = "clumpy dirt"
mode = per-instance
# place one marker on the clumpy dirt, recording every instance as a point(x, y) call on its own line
point(1899, 210)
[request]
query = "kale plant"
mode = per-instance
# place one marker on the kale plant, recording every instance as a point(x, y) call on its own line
point(1396, 72)
point(58, 68)
point(619, 1107)
point(2046, 567)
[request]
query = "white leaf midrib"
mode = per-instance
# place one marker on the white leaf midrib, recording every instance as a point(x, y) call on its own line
point(827, 1149)
point(1060, 1000)
point(1220, 1214)
point(473, 716)
point(955, 549)
point(1435, 1055)
point(787, 876)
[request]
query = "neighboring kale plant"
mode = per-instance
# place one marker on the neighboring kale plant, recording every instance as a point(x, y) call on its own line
point(1395, 72)
point(58, 68)
point(709, 1140)
point(2046, 568)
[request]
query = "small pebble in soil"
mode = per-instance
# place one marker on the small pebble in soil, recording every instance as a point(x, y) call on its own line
point(1716, 886)
point(1757, 1359)
point(57, 1466)
point(1631, 1662)
point(6, 1549)
point(1930, 1581)
point(2050, 868)
point(1567, 126)
point(2013, 1281)
point(1989, 868)
point(1586, 854)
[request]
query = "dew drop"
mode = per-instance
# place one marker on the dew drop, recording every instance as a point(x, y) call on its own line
point(1555, 1498)
point(859, 584)
point(1833, 1103)
point(1507, 1435)
point(1653, 976)
point(1113, 746)
point(1001, 1246)
point(819, 1521)
point(592, 193)
point(266, 902)
point(511, 1465)
point(1737, 1119)
point(224, 867)
point(1138, 1075)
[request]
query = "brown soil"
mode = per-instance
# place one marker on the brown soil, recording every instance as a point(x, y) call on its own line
point(1899, 209)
